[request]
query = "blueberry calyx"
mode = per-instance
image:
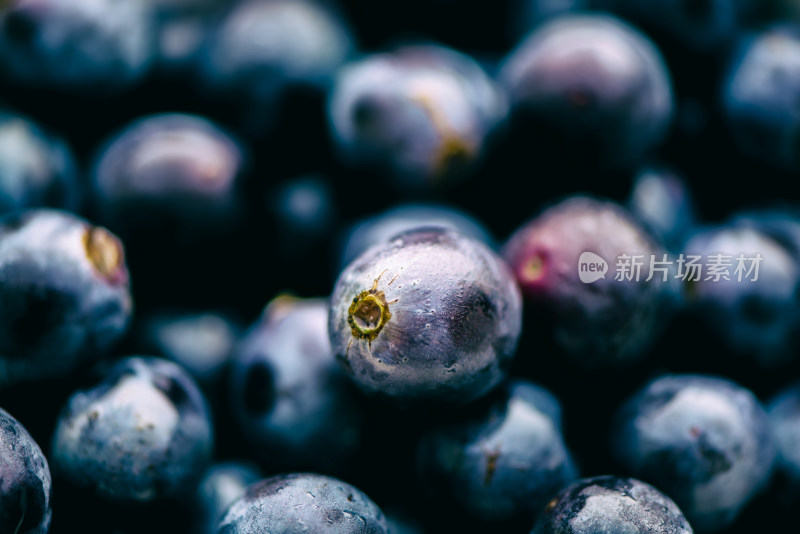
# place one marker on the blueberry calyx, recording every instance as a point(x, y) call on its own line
point(105, 253)
point(369, 312)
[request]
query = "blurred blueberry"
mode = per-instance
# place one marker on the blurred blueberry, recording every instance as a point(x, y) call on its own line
point(661, 200)
point(298, 503)
point(36, 168)
point(174, 173)
point(505, 463)
point(760, 96)
point(422, 112)
point(261, 49)
point(90, 46)
point(752, 298)
point(611, 505)
point(220, 486)
point(292, 400)
point(609, 314)
point(182, 26)
point(382, 227)
point(200, 342)
point(142, 434)
point(601, 85)
point(305, 212)
point(64, 298)
point(431, 315)
point(25, 484)
point(702, 25)
point(705, 441)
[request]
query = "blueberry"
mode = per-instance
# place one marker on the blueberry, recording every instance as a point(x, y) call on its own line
point(220, 486)
point(760, 96)
point(181, 28)
point(504, 463)
point(142, 434)
point(784, 416)
point(82, 45)
point(753, 306)
point(611, 505)
point(661, 200)
point(200, 342)
point(300, 502)
point(260, 50)
point(36, 168)
point(431, 314)
point(172, 172)
point(424, 113)
point(383, 226)
point(607, 317)
point(25, 485)
point(705, 441)
point(292, 400)
point(700, 25)
point(64, 297)
point(598, 83)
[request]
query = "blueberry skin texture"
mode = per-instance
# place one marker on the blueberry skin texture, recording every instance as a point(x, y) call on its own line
point(300, 502)
point(25, 484)
point(64, 294)
point(706, 26)
point(760, 93)
point(291, 398)
point(421, 113)
point(505, 463)
point(141, 435)
point(382, 227)
point(605, 322)
point(600, 83)
point(660, 199)
point(170, 171)
point(431, 315)
point(759, 319)
point(705, 441)
point(220, 486)
point(201, 343)
point(611, 505)
point(37, 169)
point(86, 46)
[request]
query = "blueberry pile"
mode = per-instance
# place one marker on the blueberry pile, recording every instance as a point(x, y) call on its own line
point(284, 266)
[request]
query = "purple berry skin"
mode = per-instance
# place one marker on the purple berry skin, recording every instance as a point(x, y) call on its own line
point(430, 314)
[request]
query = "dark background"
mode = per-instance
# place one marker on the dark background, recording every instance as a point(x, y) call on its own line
point(242, 271)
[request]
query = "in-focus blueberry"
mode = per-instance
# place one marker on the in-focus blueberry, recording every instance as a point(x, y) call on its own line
point(661, 200)
point(753, 305)
point(220, 486)
point(144, 433)
point(599, 306)
point(383, 226)
point(611, 505)
point(201, 343)
point(430, 314)
point(172, 172)
point(37, 169)
point(291, 398)
point(760, 95)
point(703, 440)
point(64, 297)
point(301, 502)
point(423, 113)
point(506, 462)
point(25, 484)
point(89, 46)
point(597, 82)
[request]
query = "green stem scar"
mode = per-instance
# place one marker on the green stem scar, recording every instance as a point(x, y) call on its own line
point(369, 312)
